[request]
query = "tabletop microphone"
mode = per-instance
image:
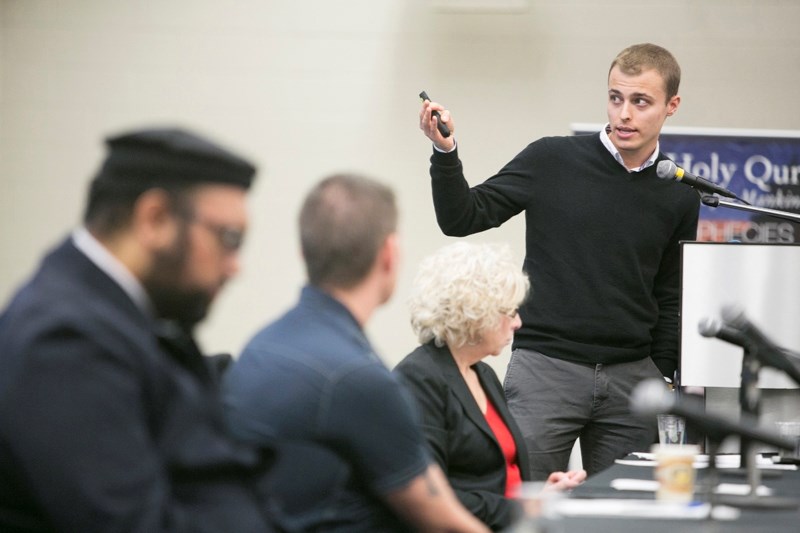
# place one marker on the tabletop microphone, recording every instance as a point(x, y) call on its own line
point(668, 170)
point(651, 397)
point(737, 326)
point(711, 327)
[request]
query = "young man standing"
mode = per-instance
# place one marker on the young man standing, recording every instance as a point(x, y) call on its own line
point(602, 253)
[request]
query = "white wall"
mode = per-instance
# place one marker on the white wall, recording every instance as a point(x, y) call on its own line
point(306, 88)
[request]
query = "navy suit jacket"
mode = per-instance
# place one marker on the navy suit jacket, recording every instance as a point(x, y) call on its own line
point(459, 436)
point(106, 425)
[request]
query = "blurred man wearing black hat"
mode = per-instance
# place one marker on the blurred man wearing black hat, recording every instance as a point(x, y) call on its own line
point(109, 414)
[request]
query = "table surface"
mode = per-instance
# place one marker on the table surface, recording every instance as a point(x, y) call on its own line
point(784, 483)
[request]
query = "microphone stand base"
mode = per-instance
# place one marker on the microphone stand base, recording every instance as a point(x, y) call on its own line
point(742, 472)
point(750, 501)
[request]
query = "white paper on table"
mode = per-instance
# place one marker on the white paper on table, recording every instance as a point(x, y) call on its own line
point(701, 461)
point(651, 485)
point(625, 508)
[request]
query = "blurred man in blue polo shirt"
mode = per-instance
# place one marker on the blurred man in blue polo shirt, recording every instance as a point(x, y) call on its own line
point(350, 454)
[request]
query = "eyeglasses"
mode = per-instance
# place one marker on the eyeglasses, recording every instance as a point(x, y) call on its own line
point(229, 238)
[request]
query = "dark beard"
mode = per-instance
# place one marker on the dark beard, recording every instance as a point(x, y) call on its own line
point(165, 286)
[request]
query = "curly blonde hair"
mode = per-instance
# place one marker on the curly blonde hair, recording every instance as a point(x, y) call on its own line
point(462, 290)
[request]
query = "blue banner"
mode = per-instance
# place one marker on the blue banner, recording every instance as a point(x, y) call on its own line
point(760, 167)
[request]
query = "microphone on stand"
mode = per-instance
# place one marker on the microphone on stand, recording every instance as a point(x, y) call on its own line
point(738, 330)
point(651, 397)
point(668, 170)
point(711, 327)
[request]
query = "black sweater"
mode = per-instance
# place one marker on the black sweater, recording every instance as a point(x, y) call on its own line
point(602, 248)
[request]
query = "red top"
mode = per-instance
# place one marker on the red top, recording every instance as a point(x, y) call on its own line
point(508, 446)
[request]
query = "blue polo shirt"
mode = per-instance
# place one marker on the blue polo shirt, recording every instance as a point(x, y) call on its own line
point(311, 386)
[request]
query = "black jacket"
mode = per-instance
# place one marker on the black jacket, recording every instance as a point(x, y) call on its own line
point(107, 425)
point(458, 434)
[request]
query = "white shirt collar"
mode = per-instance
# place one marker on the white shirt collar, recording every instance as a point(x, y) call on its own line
point(105, 261)
point(613, 149)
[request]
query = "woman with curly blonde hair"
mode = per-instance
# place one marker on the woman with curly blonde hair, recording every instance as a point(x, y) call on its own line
point(463, 309)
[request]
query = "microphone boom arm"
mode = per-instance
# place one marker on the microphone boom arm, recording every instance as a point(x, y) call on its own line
point(715, 201)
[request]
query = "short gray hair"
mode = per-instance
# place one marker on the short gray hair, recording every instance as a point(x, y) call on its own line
point(462, 290)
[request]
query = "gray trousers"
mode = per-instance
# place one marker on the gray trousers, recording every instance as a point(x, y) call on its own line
point(554, 402)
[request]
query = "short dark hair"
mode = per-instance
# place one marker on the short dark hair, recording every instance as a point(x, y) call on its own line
point(174, 160)
point(639, 57)
point(344, 221)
